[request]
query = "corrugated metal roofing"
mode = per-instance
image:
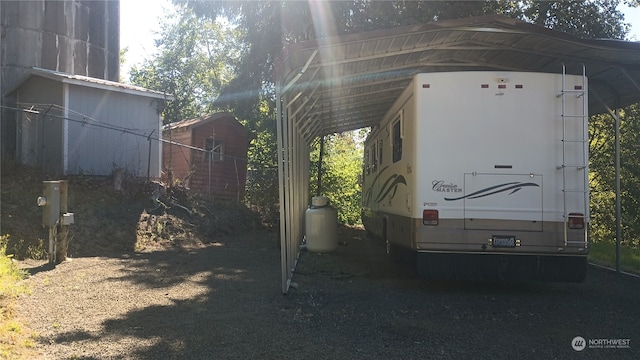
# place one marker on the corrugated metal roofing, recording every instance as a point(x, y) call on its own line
point(349, 82)
point(199, 121)
point(90, 82)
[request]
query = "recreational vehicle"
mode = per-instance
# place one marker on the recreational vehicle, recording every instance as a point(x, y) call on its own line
point(483, 175)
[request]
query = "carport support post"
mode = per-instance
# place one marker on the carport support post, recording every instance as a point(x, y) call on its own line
point(319, 188)
point(149, 159)
point(282, 146)
point(616, 117)
point(62, 240)
point(616, 121)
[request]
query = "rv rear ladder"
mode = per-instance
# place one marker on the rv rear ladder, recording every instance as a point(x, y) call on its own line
point(578, 162)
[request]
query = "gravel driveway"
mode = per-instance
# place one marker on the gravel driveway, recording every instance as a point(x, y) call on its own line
point(224, 301)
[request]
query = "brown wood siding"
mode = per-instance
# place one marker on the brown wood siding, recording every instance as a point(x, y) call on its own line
point(177, 159)
point(227, 178)
point(223, 179)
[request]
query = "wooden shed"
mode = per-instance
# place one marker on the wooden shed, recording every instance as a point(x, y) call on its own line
point(71, 124)
point(209, 154)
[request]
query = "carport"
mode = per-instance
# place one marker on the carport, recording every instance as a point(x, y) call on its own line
point(349, 82)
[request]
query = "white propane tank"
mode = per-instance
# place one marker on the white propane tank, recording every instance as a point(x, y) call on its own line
point(321, 223)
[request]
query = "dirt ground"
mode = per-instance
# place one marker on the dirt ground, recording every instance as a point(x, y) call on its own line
point(223, 300)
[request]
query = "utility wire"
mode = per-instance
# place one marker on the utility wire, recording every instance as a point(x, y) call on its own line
point(96, 123)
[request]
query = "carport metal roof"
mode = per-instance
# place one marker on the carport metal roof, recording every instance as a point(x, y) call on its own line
point(349, 82)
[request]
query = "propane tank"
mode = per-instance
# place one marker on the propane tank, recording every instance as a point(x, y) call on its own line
point(321, 223)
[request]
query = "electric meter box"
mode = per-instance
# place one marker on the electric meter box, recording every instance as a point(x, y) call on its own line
point(51, 210)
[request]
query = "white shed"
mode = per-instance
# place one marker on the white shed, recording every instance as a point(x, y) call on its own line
point(73, 124)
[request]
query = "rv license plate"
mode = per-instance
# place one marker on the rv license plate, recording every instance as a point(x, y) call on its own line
point(503, 241)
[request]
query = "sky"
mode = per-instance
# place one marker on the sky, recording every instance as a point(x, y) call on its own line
point(139, 23)
point(632, 16)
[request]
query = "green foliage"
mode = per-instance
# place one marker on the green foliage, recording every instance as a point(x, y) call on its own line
point(34, 249)
point(196, 58)
point(602, 176)
point(262, 186)
point(573, 17)
point(10, 275)
point(123, 56)
point(269, 25)
point(264, 27)
point(341, 169)
point(604, 253)
point(15, 342)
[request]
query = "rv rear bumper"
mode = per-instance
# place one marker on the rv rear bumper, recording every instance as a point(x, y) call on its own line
point(501, 267)
point(451, 236)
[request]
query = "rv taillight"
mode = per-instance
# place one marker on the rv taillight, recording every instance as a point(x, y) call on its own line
point(430, 217)
point(576, 221)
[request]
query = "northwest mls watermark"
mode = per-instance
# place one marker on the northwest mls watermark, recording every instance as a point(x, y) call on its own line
point(579, 343)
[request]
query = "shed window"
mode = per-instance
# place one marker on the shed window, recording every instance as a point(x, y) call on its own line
point(215, 148)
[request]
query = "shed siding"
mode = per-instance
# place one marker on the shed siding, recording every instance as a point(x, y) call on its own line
point(224, 179)
point(176, 158)
point(119, 137)
point(39, 137)
point(227, 177)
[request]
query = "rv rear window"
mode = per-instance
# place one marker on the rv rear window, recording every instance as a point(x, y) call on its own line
point(397, 141)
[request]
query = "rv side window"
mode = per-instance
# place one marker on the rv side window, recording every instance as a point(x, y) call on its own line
point(380, 152)
point(397, 141)
point(374, 158)
point(367, 168)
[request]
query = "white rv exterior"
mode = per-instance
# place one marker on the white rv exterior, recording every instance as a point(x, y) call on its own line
point(483, 175)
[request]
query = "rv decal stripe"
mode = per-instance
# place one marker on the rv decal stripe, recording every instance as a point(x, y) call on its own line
point(367, 197)
point(513, 186)
point(379, 174)
point(389, 186)
point(370, 189)
point(479, 192)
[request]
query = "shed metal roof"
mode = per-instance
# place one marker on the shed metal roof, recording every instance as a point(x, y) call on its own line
point(199, 121)
point(87, 81)
point(350, 81)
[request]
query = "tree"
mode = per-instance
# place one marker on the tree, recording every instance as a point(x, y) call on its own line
point(572, 17)
point(123, 59)
point(602, 176)
point(262, 189)
point(269, 25)
point(196, 58)
point(341, 168)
